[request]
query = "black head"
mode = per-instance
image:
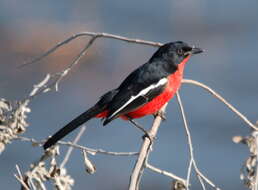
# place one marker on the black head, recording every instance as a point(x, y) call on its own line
point(175, 52)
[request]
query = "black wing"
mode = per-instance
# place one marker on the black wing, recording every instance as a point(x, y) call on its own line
point(140, 87)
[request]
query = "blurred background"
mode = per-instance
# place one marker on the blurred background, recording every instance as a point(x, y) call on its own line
point(227, 30)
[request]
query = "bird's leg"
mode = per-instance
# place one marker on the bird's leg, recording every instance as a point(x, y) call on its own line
point(146, 133)
point(160, 113)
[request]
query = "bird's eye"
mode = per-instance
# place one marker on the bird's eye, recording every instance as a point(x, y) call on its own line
point(180, 52)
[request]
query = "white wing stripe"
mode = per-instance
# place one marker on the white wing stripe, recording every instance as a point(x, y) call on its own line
point(142, 93)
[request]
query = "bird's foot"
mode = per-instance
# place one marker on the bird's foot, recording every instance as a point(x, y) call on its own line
point(149, 136)
point(161, 114)
point(146, 133)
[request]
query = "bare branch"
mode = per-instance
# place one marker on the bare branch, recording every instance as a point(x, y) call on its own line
point(145, 148)
point(94, 36)
point(190, 145)
point(165, 173)
point(189, 171)
point(19, 177)
point(216, 95)
point(80, 147)
point(13, 118)
point(24, 186)
point(255, 135)
point(249, 170)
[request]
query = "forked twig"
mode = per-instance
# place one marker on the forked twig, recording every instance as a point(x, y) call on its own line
point(201, 177)
point(94, 36)
point(19, 177)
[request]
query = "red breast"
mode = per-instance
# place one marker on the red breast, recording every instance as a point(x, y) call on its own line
point(157, 103)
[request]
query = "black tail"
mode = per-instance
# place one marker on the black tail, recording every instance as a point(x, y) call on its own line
point(84, 117)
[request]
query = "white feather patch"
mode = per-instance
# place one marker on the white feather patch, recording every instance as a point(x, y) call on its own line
point(142, 93)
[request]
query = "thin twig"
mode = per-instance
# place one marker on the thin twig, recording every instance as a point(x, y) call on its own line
point(99, 151)
point(63, 73)
point(75, 62)
point(189, 171)
point(30, 181)
point(93, 35)
point(144, 152)
point(22, 182)
point(190, 145)
point(165, 173)
point(70, 149)
point(20, 178)
point(201, 182)
point(80, 147)
point(19, 171)
point(255, 179)
point(218, 96)
point(46, 86)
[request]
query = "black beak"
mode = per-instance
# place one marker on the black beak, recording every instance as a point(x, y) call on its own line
point(196, 50)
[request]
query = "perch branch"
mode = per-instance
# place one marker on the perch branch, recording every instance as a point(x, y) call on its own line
point(144, 151)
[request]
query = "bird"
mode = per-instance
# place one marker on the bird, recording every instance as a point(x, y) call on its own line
point(143, 92)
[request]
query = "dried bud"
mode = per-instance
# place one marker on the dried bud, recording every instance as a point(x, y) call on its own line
point(237, 139)
point(89, 166)
point(178, 185)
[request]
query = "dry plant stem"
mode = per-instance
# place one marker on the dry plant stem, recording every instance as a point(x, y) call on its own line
point(98, 151)
point(80, 147)
point(216, 95)
point(70, 149)
point(24, 186)
point(255, 182)
point(190, 145)
point(201, 182)
point(20, 178)
point(57, 77)
point(165, 173)
point(18, 170)
point(94, 35)
point(75, 62)
point(60, 75)
point(144, 152)
point(189, 171)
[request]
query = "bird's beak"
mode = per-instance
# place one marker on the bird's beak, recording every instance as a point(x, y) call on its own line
point(196, 50)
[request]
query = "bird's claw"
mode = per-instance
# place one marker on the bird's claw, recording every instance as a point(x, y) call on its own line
point(161, 114)
point(149, 136)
